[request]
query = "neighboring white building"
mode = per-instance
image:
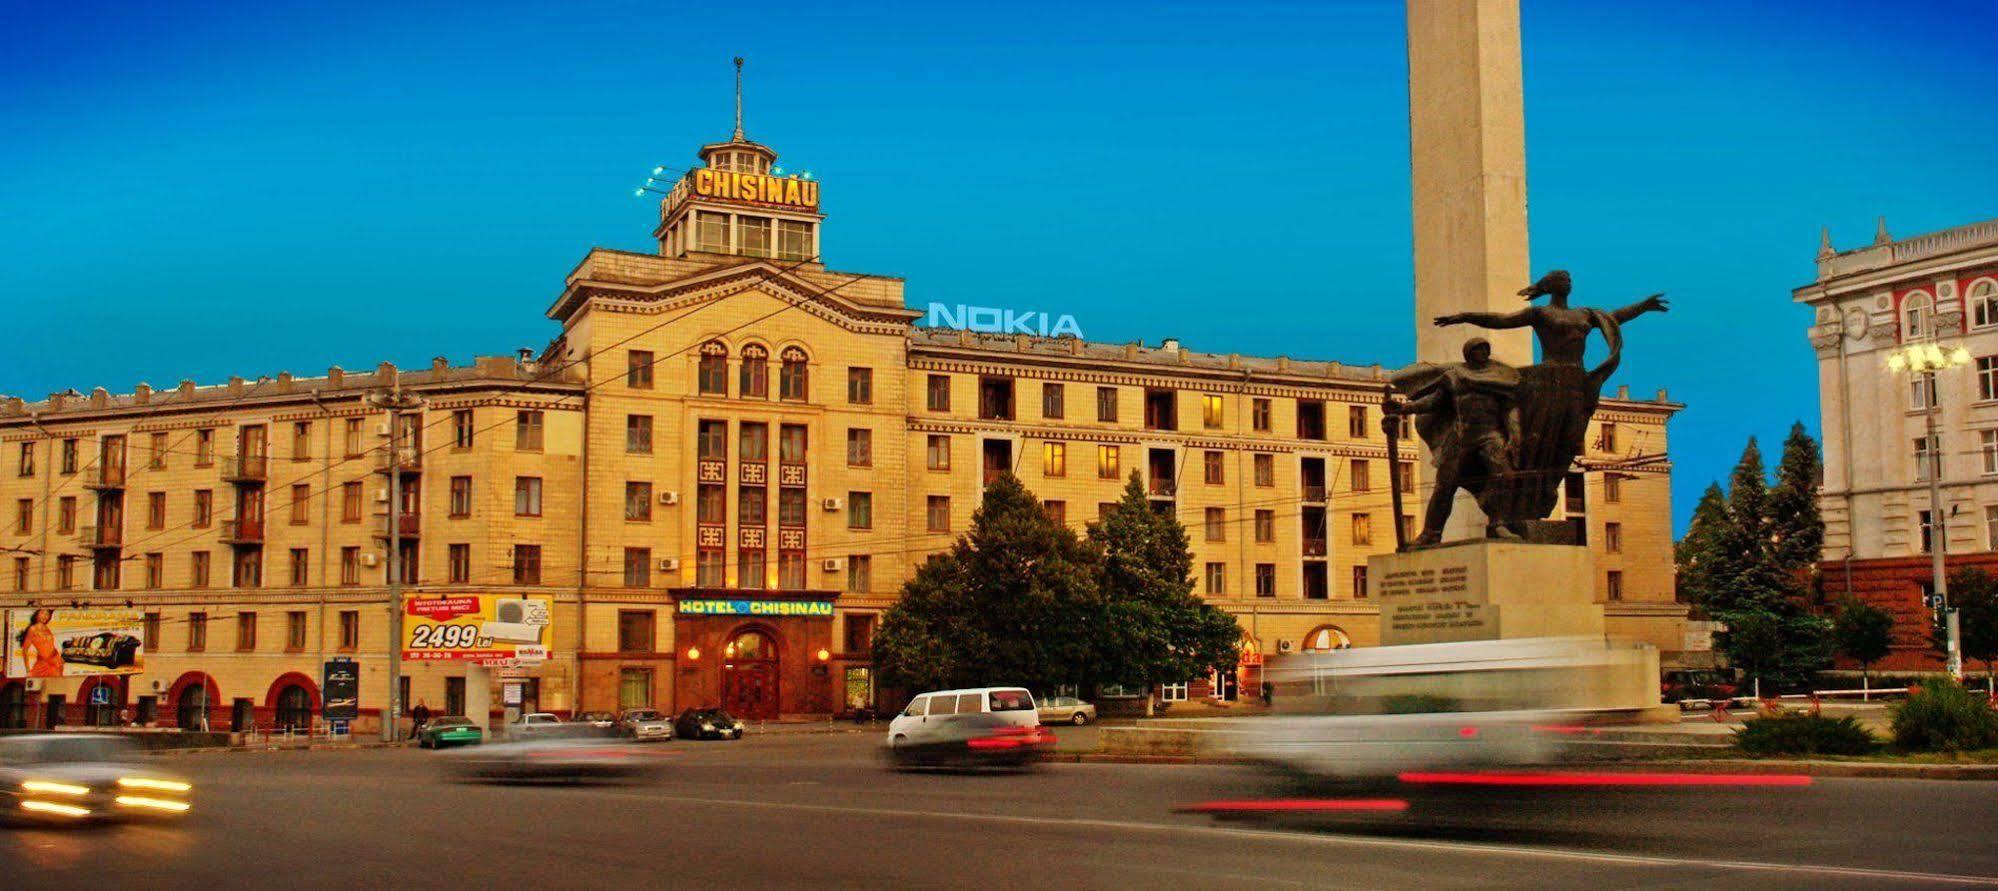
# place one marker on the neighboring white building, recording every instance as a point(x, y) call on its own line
point(1939, 288)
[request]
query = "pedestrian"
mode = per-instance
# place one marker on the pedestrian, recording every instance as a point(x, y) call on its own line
point(1269, 693)
point(418, 716)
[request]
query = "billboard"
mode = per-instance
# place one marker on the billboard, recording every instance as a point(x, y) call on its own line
point(478, 627)
point(341, 690)
point(60, 642)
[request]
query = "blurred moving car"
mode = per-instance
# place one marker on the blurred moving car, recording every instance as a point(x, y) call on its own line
point(1682, 684)
point(554, 760)
point(707, 723)
point(534, 724)
point(600, 720)
point(645, 723)
point(450, 730)
point(972, 739)
point(1067, 710)
point(1013, 705)
point(82, 776)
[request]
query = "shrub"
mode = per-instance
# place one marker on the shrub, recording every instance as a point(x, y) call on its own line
point(1943, 716)
point(1797, 733)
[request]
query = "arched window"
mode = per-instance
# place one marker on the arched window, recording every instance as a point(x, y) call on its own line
point(751, 646)
point(791, 381)
point(1326, 638)
point(714, 369)
point(755, 372)
point(294, 708)
point(191, 712)
point(1915, 316)
point(1984, 303)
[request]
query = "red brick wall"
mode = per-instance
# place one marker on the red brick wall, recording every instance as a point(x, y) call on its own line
point(1895, 585)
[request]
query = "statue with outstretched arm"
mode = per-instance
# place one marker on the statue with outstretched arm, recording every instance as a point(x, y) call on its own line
point(1468, 415)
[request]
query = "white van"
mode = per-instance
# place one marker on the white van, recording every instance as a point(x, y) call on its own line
point(1013, 704)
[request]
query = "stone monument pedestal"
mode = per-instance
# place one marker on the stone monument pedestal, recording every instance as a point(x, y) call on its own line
point(1485, 590)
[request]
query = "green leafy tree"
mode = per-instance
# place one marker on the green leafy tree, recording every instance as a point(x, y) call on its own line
point(1797, 532)
point(1863, 633)
point(1698, 552)
point(1974, 594)
point(1014, 601)
point(1159, 630)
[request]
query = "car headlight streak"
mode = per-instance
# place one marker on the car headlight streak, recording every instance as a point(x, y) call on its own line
point(153, 785)
point(46, 787)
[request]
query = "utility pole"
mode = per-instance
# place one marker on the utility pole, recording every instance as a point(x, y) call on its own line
point(395, 402)
point(1938, 539)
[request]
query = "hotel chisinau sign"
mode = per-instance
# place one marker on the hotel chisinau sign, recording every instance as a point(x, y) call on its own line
point(813, 608)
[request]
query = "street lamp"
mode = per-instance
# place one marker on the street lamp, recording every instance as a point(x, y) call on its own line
point(1926, 359)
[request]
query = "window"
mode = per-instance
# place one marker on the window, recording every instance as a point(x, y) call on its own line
point(711, 440)
point(790, 507)
point(300, 568)
point(791, 444)
point(69, 451)
point(1107, 463)
point(350, 442)
point(1265, 526)
point(638, 369)
point(155, 570)
point(938, 390)
point(1924, 519)
point(638, 434)
point(635, 631)
point(1404, 475)
point(24, 515)
point(711, 231)
point(527, 496)
point(527, 429)
point(197, 632)
point(755, 445)
point(1983, 300)
point(1356, 422)
point(526, 564)
point(1106, 405)
point(461, 429)
point(859, 447)
point(156, 510)
point(1925, 451)
point(301, 504)
point(197, 569)
point(459, 563)
point(1266, 580)
point(1362, 476)
point(350, 566)
point(638, 568)
point(1217, 579)
point(27, 465)
point(1606, 437)
point(1212, 467)
point(156, 447)
point(151, 636)
point(755, 372)
point(461, 496)
point(1920, 394)
point(995, 398)
point(246, 632)
point(350, 502)
point(750, 506)
point(1216, 522)
point(1613, 538)
point(1210, 411)
point(1915, 316)
point(294, 631)
point(1360, 582)
point(860, 386)
point(1171, 692)
point(66, 515)
point(1265, 470)
point(792, 376)
point(860, 510)
point(1310, 419)
point(937, 455)
point(939, 513)
point(301, 444)
point(1054, 398)
point(1363, 529)
point(750, 570)
point(65, 572)
point(1259, 415)
point(247, 569)
point(711, 375)
point(754, 235)
point(1161, 410)
point(1991, 527)
point(1054, 459)
point(860, 579)
point(711, 505)
point(1987, 378)
point(794, 240)
point(1057, 511)
point(350, 629)
point(638, 501)
point(791, 570)
point(22, 577)
point(1613, 584)
point(1613, 484)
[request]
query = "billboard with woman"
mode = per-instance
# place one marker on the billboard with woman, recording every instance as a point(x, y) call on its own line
point(46, 642)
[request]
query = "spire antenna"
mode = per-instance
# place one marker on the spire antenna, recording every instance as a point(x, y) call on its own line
point(738, 99)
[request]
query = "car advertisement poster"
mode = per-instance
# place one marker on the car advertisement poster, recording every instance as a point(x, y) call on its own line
point(342, 690)
point(491, 628)
point(61, 642)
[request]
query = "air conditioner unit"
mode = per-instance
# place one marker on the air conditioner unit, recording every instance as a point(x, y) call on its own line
point(34, 685)
point(669, 497)
point(381, 496)
point(159, 686)
point(833, 504)
point(369, 559)
point(1283, 646)
point(669, 564)
point(833, 564)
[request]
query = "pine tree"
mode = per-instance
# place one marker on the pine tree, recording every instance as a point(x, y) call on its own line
point(1796, 530)
point(1697, 554)
point(1770, 636)
point(1159, 631)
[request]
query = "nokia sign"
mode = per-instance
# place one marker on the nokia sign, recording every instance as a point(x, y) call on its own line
point(992, 320)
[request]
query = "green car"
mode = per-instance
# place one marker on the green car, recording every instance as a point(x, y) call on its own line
point(452, 731)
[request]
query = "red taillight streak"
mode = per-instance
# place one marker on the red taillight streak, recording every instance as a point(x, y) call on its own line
point(1467, 732)
point(1298, 804)
point(1605, 779)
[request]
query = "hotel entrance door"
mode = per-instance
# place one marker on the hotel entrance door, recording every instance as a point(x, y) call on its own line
point(749, 677)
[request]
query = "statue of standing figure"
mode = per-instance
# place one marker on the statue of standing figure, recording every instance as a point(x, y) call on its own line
point(1555, 400)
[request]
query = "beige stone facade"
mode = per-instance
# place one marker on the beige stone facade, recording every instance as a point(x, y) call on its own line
point(723, 426)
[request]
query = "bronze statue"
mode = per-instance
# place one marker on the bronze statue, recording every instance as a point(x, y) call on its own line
point(1556, 399)
point(1468, 413)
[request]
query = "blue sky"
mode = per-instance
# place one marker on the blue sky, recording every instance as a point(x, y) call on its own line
point(234, 188)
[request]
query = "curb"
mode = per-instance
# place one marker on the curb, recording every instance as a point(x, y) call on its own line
point(1829, 769)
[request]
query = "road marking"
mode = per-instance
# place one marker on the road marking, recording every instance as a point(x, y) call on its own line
point(1454, 847)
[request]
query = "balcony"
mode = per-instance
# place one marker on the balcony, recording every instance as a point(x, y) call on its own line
point(1314, 494)
point(1314, 547)
point(407, 525)
point(101, 537)
point(406, 459)
point(246, 469)
point(243, 532)
point(106, 477)
point(1162, 487)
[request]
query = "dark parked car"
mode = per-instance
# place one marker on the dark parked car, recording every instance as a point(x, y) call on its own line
point(975, 739)
point(600, 720)
point(707, 723)
point(1686, 684)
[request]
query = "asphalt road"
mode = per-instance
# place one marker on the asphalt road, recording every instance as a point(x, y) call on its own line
point(819, 810)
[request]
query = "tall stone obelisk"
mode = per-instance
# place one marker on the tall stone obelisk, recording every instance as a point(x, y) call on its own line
point(1467, 163)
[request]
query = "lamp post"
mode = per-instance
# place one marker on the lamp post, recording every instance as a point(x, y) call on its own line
point(1926, 359)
